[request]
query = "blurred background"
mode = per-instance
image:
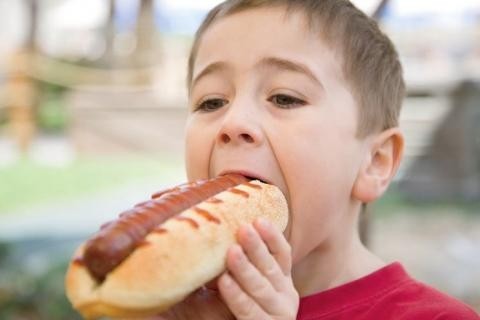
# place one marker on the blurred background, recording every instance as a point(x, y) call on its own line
point(92, 110)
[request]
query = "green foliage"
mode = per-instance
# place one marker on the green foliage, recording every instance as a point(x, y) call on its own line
point(27, 293)
point(3, 117)
point(39, 297)
point(27, 183)
point(52, 113)
point(52, 117)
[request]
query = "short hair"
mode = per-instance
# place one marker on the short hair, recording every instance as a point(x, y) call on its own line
point(370, 62)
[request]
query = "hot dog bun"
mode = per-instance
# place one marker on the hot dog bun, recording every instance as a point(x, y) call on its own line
point(172, 264)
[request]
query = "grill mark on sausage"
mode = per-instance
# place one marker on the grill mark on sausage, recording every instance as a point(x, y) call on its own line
point(105, 225)
point(162, 192)
point(214, 200)
point(119, 238)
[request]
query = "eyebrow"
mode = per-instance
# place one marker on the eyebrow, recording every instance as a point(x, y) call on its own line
point(211, 68)
point(268, 62)
point(288, 65)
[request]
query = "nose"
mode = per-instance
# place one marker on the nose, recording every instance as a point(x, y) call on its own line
point(238, 127)
point(225, 138)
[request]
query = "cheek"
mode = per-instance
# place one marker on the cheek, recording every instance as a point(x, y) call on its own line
point(198, 141)
point(318, 199)
point(317, 171)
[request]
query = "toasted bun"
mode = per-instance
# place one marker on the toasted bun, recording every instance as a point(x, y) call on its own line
point(174, 264)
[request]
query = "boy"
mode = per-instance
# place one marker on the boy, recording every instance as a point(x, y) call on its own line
point(303, 94)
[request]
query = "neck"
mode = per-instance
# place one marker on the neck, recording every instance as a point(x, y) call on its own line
point(336, 261)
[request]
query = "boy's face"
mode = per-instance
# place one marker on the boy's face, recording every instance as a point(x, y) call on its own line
point(268, 99)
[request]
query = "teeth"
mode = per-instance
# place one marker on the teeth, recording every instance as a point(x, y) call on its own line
point(256, 179)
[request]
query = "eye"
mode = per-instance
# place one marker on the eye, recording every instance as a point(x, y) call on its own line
point(210, 104)
point(286, 102)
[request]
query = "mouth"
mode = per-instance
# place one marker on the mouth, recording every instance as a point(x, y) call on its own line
point(248, 175)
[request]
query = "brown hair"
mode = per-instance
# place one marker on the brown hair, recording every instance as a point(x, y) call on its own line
point(370, 62)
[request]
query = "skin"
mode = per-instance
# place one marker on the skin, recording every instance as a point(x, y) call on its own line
point(274, 103)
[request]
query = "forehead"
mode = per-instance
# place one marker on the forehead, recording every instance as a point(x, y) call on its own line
point(244, 38)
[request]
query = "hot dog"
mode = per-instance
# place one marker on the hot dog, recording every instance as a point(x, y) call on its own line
point(158, 252)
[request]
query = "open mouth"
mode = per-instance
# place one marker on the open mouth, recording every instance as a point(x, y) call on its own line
point(255, 178)
point(248, 175)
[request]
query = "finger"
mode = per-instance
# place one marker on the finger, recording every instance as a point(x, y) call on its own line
point(276, 243)
point(239, 302)
point(251, 280)
point(203, 304)
point(259, 255)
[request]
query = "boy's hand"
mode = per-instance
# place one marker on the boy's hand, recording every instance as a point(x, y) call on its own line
point(257, 284)
point(203, 304)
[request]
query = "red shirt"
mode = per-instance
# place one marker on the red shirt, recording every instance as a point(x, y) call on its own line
point(389, 293)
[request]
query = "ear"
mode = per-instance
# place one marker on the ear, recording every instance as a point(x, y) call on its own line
point(379, 166)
